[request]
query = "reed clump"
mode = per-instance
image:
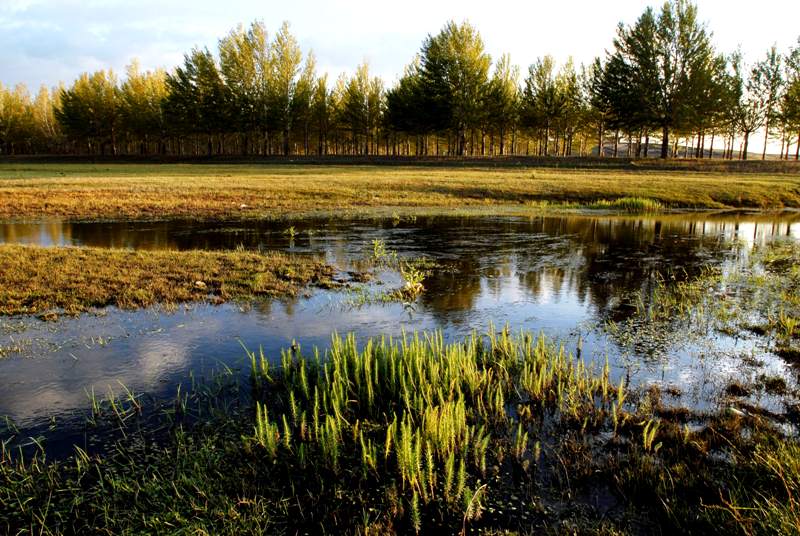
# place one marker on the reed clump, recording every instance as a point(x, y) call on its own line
point(631, 205)
point(426, 419)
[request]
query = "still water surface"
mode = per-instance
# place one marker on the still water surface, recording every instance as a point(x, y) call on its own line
point(565, 276)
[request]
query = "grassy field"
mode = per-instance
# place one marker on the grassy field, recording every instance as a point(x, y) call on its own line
point(142, 191)
point(48, 281)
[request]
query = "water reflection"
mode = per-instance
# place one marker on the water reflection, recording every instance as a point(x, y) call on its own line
point(559, 274)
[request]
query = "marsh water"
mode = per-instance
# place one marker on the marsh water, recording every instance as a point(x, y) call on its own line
point(567, 276)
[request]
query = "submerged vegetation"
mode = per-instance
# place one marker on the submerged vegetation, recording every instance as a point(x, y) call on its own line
point(412, 273)
point(499, 432)
point(761, 297)
point(53, 280)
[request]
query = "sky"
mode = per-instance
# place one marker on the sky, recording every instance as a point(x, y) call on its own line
point(52, 41)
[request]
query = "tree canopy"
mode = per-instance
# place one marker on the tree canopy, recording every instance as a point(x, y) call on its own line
point(661, 81)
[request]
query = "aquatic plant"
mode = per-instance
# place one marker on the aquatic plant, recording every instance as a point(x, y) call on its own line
point(379, 251)
point(760, 297)
point(413, 279)
point(649, 435)
point(407, 434)
point(788, 325)
point(435, 408)
point(291, 232)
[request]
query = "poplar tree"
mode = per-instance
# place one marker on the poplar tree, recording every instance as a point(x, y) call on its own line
point(569, 91)
point(750, 110)
point(542, 101)
point(664, 60)
point(286, 57)
point(790, 103)
point(454, 75)
point(767, 80)
point(321, 113)
point(141, 106)
point(15, 120)
point(245, 67)
point(355, 109)
point(600, 107)
point(300, 107)
point(90, 110)
point(504, 99)
point(48, 133)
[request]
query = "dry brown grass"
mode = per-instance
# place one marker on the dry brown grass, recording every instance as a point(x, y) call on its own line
point(37, 280)
point(122, 191)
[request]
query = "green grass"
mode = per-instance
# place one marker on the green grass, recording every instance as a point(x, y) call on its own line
point(209, 191)
point(497, 432)
point(633, 205)
point(54, 280)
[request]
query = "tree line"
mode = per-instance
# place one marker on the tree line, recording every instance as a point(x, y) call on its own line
point(660, 90)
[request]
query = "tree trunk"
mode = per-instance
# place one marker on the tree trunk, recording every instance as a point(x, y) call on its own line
point(711, 146)
point(600, 151)
point(513, 141)
point(472, 142)
point(664, 142)
point(546, 139)
point(797, 149)
point(746, 144)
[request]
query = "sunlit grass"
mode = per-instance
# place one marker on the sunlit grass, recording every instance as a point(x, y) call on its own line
point(38, 280)
point(634, 205)
point(33, 191)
